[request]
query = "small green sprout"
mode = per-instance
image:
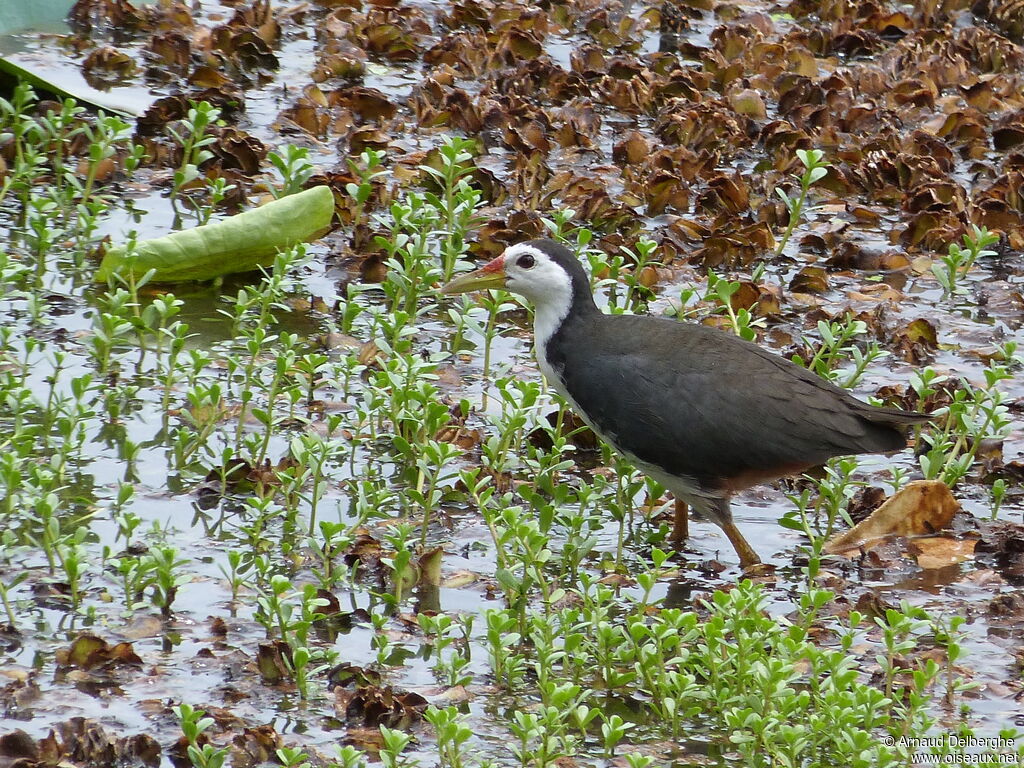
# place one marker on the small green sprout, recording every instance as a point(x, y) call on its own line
point(815, 169)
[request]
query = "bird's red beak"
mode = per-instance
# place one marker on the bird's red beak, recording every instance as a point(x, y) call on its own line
point(494, 265)
point(490, 275)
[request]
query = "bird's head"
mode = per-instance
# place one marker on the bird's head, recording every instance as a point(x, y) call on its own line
point(543, 271)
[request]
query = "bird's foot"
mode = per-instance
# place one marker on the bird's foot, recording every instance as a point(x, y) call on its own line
point(756, 570)
point(749, 561)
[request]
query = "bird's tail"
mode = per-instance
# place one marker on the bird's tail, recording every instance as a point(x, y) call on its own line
point(886, 428)
point(894, 417)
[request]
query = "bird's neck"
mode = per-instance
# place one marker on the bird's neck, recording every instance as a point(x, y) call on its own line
point(549, 316)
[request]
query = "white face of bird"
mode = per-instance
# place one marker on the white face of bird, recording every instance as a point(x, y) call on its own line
point(532, 273)
point(524, 269)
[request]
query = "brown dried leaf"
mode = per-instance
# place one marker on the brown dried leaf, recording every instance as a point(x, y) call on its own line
point(810, 279)
point(748, 102)
point(107, 62)
point(461, 436)
point(368, 137)
point(255, 746)
point(18, 744)
point(916, 342)
point(460, 579)
point(631, 149)
point(921, 507)
point(239, 150)
point(367, 739)
point(391, 41)
point(115, 14)
point(88, 651)
point(665, 191)
point(208, 77)
point(941, 551)
point(1002, 548)
point(273, 660)
point(365, 550)
point(852, 255)
point(368, 103)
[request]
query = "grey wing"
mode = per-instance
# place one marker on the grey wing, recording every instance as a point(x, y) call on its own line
point(717, 420)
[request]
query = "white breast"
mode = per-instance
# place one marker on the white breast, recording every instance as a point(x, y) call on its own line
point(546, 321)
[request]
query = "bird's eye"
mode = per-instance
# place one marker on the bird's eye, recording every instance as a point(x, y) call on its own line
point(526, 261)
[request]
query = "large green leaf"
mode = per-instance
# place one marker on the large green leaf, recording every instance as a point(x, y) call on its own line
point(241, 243)
point(58, 76)
point(81, 93)
point(48, 15)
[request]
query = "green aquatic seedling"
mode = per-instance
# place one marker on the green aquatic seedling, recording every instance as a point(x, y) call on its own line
point(837, 346)
point(458, 200)
point(955, 265)
point(741, 321)
point(452, 734)
point(295, 167)
point(193, 724)
point(815, 169)
point(192, 135)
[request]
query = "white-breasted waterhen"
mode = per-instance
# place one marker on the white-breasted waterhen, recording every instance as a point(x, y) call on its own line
point(701, 411)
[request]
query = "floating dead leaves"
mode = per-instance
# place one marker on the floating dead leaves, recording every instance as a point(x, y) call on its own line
point(363, 701)
point(1008, 17)
point(702, 116)
point(918, 510)
point(700, 127)
point(748, 102)
point(241, 476)
point(810, 279)
point(1010, 471)
point(229, 53)
point(761, 299)
point(460, 435)
point(933, 552)
point(1002, 548)
point(916, 342)
point(94, 666)
point(87, 652)
point(565, 424)
point(105, 66)
point(172, 51)
point(239, 150)
point(86, 15)
point(369, 104)
point(366, 551)
point(865, 501)
point(255, 746)
point(663, 191)
point(274, 661)
point(850, 255)
point(77, 741)
point(734, 247)
point(19, 697)
point(632, 149)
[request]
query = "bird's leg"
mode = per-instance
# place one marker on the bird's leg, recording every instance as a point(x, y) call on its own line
point(748, 557)
point(680, 523)
point(722, 515)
